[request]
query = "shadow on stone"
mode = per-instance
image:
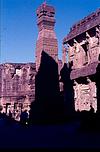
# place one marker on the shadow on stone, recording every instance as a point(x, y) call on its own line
point(48, 106)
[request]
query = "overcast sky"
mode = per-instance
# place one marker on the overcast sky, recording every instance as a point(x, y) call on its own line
point(19, 30)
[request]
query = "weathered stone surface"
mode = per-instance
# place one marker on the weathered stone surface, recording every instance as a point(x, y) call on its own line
point(17, 88)
point(89, 69)
point(85, 95)
point(83, 43)
point(84, 25)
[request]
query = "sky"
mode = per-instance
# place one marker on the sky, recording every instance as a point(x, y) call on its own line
point(19, 31)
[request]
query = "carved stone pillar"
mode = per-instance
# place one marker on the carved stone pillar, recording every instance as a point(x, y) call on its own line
point(77, 55)
point(93, 94)
point(85, 97)
point(93, 45)
point(88, 45)
point(76, 95)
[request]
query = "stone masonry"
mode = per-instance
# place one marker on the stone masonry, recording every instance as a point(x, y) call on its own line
point(46, 40)
point(17, 89)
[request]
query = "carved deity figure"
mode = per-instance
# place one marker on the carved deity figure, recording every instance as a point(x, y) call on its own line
point(77, 55)
point(93, 41)
point(93, 47)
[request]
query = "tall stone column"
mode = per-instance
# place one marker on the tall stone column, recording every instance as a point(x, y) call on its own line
point(46, 40)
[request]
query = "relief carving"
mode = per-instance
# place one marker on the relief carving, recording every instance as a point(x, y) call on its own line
point(77, 55)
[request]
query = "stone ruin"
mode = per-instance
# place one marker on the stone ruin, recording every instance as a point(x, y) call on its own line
point(83, 46)
point(17, 87)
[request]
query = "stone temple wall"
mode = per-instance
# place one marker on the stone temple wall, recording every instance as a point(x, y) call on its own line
point(83, 44)
point(17, 87)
